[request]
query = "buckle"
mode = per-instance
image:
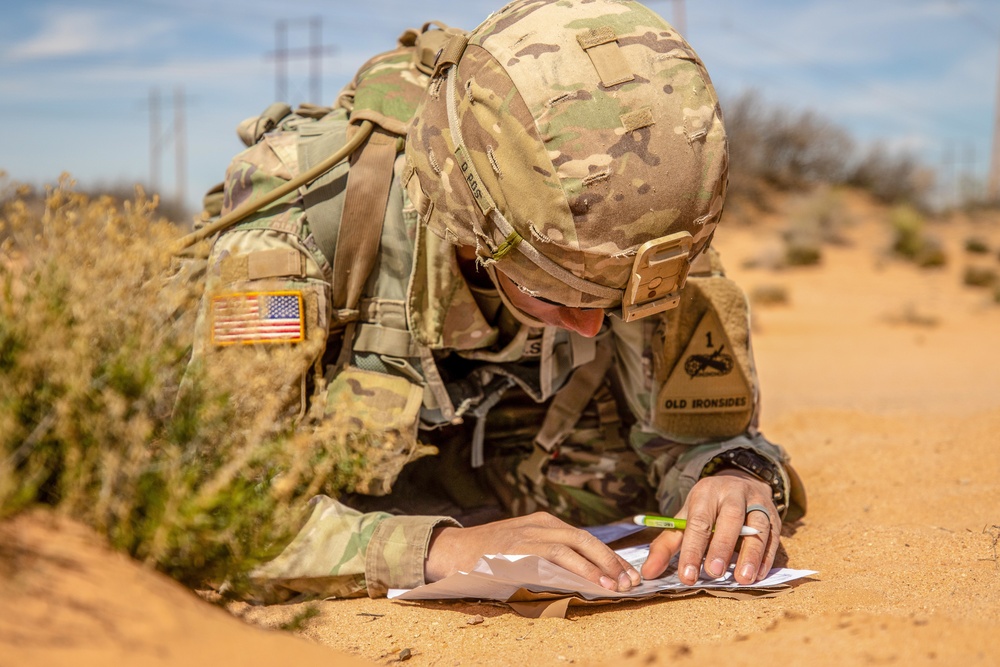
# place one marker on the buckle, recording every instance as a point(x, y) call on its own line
point(658, 275)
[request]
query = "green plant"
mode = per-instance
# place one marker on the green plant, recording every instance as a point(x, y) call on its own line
point(818, 218)
point(94, 342)
point(301, 619)
point(979, 276)
point(802, 251)
point(976, 245)
point(769, 295)
point(910, 239)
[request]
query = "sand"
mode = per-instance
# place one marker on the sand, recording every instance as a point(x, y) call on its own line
point(882, 380)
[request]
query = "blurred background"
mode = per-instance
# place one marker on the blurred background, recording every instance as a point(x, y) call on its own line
point(896, 96)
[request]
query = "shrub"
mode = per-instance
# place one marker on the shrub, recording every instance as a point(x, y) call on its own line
point(893, 178)
point(802, 251)
point(979, 276)
point(772, 146)
point(910, 239)
point(976, 245)
point(819, 218)
point(93, 351)
point(769, 295)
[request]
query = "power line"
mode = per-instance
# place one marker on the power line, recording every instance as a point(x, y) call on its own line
point(993, 185)
point(314, 52)
point(175, 136)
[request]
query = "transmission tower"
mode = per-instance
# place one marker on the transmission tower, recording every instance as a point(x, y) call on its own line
point(993, 187)
point(314, 52)
point(160, 140)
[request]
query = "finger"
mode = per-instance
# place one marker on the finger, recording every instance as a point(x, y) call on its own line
point(694, 542)
point(661, 551)
point(634, 577)
point(611, 564)
point(753, 554)
point(583, 554)
point(772, 550)
point(728, 525)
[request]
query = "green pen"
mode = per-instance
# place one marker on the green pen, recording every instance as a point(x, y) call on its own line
point(671, 523)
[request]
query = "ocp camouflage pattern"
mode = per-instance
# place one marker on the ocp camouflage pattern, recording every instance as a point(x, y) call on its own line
point(562, 154)
point(585, 172)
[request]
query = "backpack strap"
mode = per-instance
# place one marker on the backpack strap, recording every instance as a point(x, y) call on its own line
point(365, 201)
point(571, 400)
point(251, 207)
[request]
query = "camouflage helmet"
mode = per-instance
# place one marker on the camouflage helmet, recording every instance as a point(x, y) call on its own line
point(578, 146)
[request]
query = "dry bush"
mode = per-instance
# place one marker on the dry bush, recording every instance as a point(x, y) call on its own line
point(819, 218)
point(771, 146)
point(910, 315)
point(910, 238)
point(891, 178)
point(979, 276)
point(976, 245)
point(93, 353)
point(769, 295)
point(775, 148)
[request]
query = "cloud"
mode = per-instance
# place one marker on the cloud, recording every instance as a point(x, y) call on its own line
point(75, 32)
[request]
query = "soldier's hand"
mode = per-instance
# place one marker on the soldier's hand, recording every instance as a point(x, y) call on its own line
point(721, 501)
point(540, 534)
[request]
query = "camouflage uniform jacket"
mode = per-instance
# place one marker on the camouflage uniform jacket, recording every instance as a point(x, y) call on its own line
point(668, 395)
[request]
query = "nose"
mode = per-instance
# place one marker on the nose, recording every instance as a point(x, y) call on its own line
point(586, 322)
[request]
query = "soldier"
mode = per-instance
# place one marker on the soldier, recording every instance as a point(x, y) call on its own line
point(526, 290)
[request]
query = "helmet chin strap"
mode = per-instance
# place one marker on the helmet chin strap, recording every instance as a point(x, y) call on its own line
point(518, 314)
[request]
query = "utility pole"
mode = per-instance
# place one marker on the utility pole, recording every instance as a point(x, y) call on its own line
point(155, 139)
point(180, 146)
point(314, 52)
point(993, 186)
point(316, 59)
point(159, 140)
point(280, 59)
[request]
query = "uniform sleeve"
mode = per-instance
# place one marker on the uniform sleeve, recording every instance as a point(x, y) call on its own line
point(690, 380)
point(676, 476)
point(341, 552)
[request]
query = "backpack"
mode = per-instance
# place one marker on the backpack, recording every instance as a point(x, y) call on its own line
point(325, 183)
point(345, 156)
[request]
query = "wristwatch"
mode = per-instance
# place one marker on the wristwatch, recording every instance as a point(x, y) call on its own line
point(750, 461)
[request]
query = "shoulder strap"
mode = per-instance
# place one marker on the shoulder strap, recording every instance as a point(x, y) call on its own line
point(386, 91)
point(365, 202)
point(253, 206)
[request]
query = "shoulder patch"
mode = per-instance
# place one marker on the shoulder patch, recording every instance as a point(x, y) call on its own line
point(250, 318)
point(707, 377)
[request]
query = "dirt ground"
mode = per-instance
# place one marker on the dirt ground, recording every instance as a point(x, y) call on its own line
point(882, 381)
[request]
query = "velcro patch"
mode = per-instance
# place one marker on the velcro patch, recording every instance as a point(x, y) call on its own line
point(250, 318)
point(707, 377)
point(275, 263)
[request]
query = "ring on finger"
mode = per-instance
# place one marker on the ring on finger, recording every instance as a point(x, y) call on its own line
point(759, 508)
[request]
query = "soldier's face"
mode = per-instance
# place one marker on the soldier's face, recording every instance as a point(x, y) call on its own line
point(585, 321)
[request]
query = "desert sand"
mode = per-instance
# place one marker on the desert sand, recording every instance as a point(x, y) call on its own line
point(881, 379)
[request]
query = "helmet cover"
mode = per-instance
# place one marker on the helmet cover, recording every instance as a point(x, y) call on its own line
point(566, 135)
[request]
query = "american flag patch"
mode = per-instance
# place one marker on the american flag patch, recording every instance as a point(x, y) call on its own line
point(257, 317)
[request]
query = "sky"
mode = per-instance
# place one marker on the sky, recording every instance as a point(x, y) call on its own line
point(77, 78)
